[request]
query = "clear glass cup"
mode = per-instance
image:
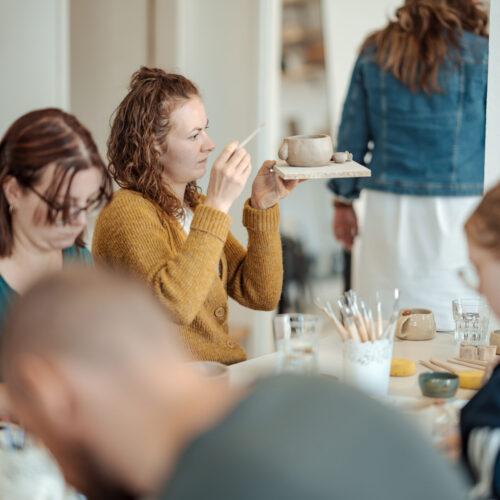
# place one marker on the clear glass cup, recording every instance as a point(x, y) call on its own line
point(296, 339)
point(472, 317)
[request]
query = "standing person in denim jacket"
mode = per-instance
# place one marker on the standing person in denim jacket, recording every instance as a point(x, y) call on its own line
point(415, 115)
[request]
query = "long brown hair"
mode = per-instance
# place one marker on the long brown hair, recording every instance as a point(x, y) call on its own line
point(424, 34)
point(139, 129)
point(36, 140)
point(483, 226)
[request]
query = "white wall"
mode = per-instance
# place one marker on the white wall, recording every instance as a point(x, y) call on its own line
point(33, 57)
point(345, 26)
point(109, 41)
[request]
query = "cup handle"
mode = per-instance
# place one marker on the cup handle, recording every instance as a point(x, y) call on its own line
point(283, 151)
point(400, 326)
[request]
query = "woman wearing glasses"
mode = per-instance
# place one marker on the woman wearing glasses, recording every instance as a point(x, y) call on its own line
point(51, 176)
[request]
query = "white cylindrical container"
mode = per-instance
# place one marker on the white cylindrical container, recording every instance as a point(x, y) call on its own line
point(367, 365)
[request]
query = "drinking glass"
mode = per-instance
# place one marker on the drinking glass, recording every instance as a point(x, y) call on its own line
point(471, 317)
point(296, 338)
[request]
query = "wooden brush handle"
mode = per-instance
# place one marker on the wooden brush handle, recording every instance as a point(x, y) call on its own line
point(466, 363)
point(446, 366)
point(428, 365)
point(344, 335)
point(477, 362)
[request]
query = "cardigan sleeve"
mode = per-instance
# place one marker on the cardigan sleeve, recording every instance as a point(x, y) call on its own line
point(129, 233)
point(255, 275)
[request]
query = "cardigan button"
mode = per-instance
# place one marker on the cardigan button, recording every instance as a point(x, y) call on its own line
point(220, 312)
point(231, 344)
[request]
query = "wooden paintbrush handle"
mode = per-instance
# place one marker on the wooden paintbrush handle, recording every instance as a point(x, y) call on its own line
point(344, 335)
point(446, 366)
point(428, 365)
point(465, 363)
point(477, 362)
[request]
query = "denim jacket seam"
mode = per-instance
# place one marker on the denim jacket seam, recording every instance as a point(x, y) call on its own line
point(458, 125)
point(383, 128)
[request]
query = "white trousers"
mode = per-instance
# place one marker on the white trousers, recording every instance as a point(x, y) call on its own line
point(414, 243)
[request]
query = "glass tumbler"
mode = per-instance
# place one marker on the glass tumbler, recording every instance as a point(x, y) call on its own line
point(296, 338)
point(472, 317)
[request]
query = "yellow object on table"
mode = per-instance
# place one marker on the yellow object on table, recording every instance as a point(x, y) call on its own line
point(470, 379)
point(402, 367)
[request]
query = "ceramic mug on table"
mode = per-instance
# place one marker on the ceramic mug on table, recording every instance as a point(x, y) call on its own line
point(415, 324)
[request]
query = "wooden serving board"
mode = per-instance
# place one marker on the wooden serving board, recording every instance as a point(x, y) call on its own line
point(331, 170)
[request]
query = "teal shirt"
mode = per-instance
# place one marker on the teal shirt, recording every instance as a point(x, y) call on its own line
point(71, 254)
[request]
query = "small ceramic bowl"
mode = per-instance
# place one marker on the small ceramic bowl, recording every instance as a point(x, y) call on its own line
point(438, 384)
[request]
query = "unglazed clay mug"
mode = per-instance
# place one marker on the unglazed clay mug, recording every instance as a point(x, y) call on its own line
point(495, 339)
point(306, 150)
point(415, 324)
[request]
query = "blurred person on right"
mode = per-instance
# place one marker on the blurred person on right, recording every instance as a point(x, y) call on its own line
point(480, 418)
point(96, 371)
point(415, 114)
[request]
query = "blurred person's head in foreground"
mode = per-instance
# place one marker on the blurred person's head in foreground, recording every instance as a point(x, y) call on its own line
point(483, 238)
point(94, 370)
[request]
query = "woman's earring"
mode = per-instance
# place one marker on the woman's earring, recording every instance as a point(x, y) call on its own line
point(11, 209)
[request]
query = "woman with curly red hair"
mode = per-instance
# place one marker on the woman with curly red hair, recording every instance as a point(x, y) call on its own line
point(160, 227)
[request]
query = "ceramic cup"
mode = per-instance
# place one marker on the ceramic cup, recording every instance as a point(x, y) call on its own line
point(415, 324)
point(495, 339)
point(306, 150)
point(342, 156)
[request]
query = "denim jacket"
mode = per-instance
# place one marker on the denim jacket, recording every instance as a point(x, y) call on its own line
point(417, 143)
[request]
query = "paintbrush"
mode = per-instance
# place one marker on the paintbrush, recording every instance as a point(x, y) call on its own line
point(250, 137)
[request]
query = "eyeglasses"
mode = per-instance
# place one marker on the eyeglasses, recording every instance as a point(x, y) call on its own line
point(12, 437)
point(73, 212)
point(469, 277)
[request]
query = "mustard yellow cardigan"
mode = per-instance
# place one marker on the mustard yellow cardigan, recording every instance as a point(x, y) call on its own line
point(134, 233)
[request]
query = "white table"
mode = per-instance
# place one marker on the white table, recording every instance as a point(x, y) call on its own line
point(330, 360)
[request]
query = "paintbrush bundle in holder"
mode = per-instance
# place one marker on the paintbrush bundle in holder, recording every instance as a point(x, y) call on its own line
point(367, 341)
point(355, 321)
